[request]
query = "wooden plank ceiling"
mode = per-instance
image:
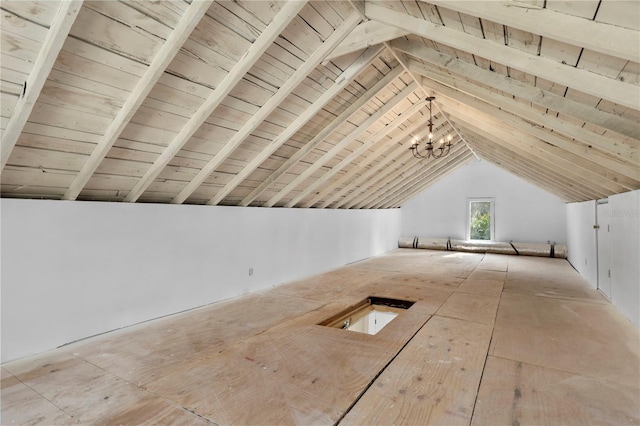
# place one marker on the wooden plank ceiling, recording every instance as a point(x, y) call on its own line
point(314, 104)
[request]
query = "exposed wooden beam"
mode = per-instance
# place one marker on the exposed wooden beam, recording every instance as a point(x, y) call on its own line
point(517, 88)
point(341, 82)
point(366, 34)
point(623, 172)
point(546, 174)
point(370, 143)
point(354, 177)
point(255, 51)
point(374, 177)
point(522, 172)
point(339, 147)
point(397, 200)
point(535, 173)
point(300, 74)
point(622, 157)
point(532, 148)
point(585, 81)
point(600, 37)
point(326, 131)
point(589, 170)
point(413, 178)
point(57, 34)
point(161, 61)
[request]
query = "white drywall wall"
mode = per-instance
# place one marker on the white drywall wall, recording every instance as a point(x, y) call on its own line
point(581, 240)
point(624, 217)
point(623, 211)
point(76, 269)
point(523, 212)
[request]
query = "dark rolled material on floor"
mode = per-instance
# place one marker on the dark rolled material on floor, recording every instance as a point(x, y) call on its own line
point(518, 249)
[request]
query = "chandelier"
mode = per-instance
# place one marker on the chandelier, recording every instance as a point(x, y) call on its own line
point(429, 151)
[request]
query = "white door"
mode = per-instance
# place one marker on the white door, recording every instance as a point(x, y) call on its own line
point(604, 250)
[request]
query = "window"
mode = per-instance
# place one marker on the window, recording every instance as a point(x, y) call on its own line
point(480, 219)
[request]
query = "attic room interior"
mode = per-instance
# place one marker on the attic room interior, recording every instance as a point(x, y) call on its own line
point(320, 212)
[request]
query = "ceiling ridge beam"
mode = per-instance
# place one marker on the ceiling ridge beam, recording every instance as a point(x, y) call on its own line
point(352, 177)
point(269, 106)
point(49, 50)
point(341, 82)
point(368, 143)
point(326, 131)
point(352, 136)
point(597, 36)
point(621, 93)
point(622, 172)
point(250, 57)
point(369, 33)
point(147, 82)
point(541, 97)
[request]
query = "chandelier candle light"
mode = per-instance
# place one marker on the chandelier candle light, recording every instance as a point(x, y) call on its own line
point(442, 150)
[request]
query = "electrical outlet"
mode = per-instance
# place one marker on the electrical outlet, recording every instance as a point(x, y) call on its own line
point(250, 271)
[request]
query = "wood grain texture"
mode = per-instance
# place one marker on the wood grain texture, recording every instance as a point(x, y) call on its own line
point(585, 338)
point(433, 381)
point(514, 392)
point(470, 307)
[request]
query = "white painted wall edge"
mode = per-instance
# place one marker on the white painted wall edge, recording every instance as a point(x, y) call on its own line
point(76, 269)
point(623, 212)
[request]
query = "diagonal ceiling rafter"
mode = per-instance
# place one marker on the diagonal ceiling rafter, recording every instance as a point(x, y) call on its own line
point(514, 87)
point(56, 36)
point(259, 46)
point(339, 147)
point(625, 173)
point(160, 62)
point(313, 61)
point(582, 80)
point(389, 144)
point(326, 131)
point(597, 36)
point(341, 82)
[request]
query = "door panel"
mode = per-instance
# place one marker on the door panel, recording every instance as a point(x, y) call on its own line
point(604, 249)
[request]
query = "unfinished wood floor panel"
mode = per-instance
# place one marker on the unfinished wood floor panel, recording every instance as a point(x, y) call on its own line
point(21, 405)
point(584, 338)
point(91, 395)
point(556, 354)
point(432, 381)
point(291, 375)
point(480, 286)
point(514, 392)
point(144, 352)
point(470, 307)
point(538, 276)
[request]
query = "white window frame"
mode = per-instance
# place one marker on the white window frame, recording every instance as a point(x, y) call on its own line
point(492, 213)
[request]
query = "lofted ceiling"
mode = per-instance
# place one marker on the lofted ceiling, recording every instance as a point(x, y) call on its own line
point(314, 104)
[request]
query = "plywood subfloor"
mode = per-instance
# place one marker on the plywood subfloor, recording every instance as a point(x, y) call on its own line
point(490, 340)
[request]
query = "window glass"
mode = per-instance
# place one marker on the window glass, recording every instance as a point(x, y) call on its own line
point(480, 220)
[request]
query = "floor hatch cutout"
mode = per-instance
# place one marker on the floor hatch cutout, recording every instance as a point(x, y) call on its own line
point(369, 316)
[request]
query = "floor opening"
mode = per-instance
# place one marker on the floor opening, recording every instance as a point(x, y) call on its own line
point(369, 316)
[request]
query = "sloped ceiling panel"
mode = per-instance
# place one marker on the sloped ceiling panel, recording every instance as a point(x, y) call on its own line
point(314, 104)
